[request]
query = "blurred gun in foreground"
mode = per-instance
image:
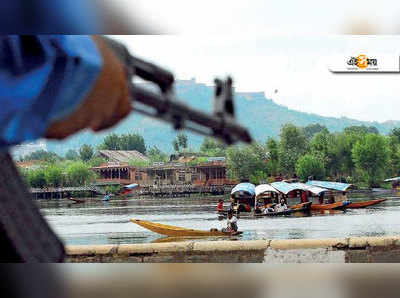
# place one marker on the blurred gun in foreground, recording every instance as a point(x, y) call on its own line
point(163, 104)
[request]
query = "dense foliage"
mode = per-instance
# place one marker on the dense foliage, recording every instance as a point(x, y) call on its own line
point(86, 152)
point(310, 166)
point(180, 142)
point(124, 142)
point(42, 155)
point(59, 174)
point(358, 154)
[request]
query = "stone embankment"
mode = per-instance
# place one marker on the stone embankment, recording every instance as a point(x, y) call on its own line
point(334, 250)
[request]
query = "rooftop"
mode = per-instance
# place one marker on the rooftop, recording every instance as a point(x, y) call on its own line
point(123, 156)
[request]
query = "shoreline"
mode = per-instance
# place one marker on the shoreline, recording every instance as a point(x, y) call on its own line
point(329, 250)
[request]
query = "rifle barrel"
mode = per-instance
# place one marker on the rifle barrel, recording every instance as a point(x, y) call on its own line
point(170, 109)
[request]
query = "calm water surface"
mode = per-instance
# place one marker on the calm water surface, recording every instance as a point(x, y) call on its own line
point(98, 222)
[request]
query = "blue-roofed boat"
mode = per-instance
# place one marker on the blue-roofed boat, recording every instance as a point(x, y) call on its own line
point(244, 189)
point(242, 195)
point(316, 190)
point(284, 187)
point(330, 185)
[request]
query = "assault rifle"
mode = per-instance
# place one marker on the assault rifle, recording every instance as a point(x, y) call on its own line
point(165, 106)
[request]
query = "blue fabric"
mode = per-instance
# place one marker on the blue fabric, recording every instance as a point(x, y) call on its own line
point(246, 187)
point(284, 187)
point(330, 185)
point(42, 78)
point(49, 17)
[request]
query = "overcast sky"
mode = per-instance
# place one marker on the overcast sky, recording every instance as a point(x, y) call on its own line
point(294, 65)
point(264, 16)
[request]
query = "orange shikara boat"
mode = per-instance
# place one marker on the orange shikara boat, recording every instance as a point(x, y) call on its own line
point(364, 204)
point(336, 205)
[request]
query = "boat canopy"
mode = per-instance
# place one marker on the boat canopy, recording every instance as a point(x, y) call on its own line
point(330, 185)
point(313, 189)
point(246, 187)
point(131, 186)
point(284, 187)
point(392, 179)
point(262, 188)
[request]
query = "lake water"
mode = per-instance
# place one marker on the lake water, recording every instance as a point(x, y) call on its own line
point(98, 222)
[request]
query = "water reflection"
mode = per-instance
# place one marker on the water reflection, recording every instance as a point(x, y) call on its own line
point(98, 222)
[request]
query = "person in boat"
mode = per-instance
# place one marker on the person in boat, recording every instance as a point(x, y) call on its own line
point(281, 206)
point(321, 198)
point(220, 206)
point(304, 197)
point(232, 205)
point(269, 208)
point(331, 199)
point(258, 208)
point(231, 223)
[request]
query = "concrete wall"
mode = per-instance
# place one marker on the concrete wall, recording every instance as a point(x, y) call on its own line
point(345, 250)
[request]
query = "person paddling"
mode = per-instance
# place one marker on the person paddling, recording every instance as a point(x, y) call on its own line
point(231, 223)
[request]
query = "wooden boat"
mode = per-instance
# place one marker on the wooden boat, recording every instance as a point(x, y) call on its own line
point(332, 206)
point(174, 231)
point(304, 207)
point(364, 204)
point(78, 201)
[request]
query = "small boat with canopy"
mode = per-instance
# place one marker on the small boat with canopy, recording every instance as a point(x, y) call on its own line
point(307, 191)
point(267, 197)
point(337, 193)
point(242, 197)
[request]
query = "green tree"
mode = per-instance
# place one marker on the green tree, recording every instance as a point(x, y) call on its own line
point(244, 162)
point(43, 155)
point(395, 132)
point(344, 143)
point(79, 174)
point(370, 155)
point(323, 146)
point(309, 165)
point(36, 178)
point(212, 147)
point(54, 175)
point(72, 155)
point(182, 140)
point(86, 152)
point(272, 147)
point(312, 129)
point(132, 142)
point(293, 144)
point(361, 129)
point(156, 155)
point(111, 142)
point(393, 166)
point(175, 144)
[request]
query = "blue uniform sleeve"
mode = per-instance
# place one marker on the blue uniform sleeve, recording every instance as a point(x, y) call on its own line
point(42, 79)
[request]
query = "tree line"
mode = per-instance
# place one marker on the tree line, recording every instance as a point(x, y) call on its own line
point(358, 154)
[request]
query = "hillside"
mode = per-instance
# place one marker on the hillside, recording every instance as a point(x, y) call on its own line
point(266, 119)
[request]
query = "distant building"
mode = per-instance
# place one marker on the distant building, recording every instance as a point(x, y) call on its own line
point(121, 156)
point(20, 151)
point(29, 165)
point(211, 172)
